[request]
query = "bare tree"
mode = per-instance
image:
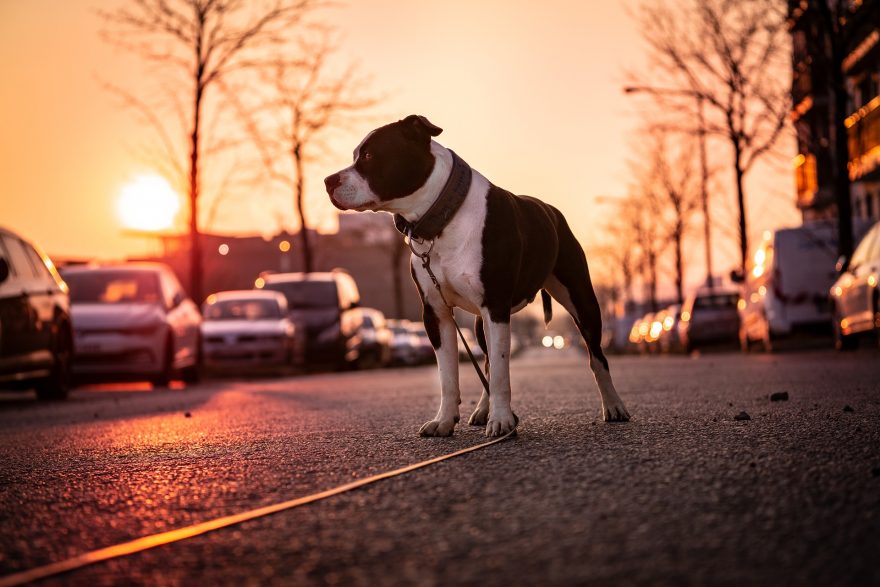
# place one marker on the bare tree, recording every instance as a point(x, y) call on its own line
point(731, 56)
point(677, 195)
point(640, 213)
point(307, 99)
point(193, 45)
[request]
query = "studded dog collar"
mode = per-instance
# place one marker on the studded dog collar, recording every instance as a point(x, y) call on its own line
point(444, 207)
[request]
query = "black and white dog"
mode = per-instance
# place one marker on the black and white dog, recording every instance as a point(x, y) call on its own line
point(492, 253)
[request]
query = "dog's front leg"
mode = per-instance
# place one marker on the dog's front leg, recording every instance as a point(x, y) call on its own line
point(440, 326)
point(501, 418)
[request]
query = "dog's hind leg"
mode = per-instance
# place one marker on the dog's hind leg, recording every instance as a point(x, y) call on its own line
point(570, 285)
point(481, 414)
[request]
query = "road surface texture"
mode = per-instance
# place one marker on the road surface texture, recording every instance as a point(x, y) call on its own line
point(682, 494)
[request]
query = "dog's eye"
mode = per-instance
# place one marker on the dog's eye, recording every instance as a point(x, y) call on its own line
point(367, 156)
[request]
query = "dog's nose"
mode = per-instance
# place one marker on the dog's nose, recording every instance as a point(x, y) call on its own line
point(332, 182)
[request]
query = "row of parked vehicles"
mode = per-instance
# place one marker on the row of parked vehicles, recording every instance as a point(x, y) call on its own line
point(134, 321)
point(793, 286)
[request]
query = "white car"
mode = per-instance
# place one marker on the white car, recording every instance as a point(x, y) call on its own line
point(855, 296)
point(785, 288)
point(248, 328)
point(132, 321)
point(404, 344)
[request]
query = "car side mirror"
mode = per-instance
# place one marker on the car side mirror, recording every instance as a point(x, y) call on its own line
point(4, 270)
point(737, 276)
point(842, 264)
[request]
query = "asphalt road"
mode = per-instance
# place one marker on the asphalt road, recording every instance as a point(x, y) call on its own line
point(682, 494)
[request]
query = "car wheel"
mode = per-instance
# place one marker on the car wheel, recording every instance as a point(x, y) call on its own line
point(745, 343)
point(767, 341)
point(842, 342)
point(57, 385)
point(193, 374)
point(163, 379)
point(877, 315)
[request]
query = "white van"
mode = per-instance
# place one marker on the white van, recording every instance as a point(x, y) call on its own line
point(786, 285)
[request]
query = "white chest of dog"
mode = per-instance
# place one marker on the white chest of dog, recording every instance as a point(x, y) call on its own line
point(491, 252)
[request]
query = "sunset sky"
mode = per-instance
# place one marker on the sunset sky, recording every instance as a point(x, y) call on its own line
point(527, 92)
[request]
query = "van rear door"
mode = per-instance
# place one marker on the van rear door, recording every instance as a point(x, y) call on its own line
point(804, 272)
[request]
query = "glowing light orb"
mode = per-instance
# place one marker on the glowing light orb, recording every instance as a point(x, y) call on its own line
point(148, 203)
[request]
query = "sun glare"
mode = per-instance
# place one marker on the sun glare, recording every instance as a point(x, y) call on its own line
point(148, 203)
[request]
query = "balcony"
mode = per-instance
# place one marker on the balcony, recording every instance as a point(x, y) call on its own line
point(863, 130)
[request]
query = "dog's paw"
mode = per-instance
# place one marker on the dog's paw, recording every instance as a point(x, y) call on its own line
point(500, 424)
point(437, 428)
point(480, 417)
point(615, 412)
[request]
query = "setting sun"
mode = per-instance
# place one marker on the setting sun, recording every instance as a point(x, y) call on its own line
point(148, 203)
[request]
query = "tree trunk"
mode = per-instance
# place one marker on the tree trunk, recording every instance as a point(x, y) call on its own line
point(652, 269)
point(679, 264)
point(741, 202)
point(397, 254)
point(704, 196)
point(308, 265)
point(195, 250)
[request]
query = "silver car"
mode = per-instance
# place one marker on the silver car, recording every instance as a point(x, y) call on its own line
point(709, 316)
point(248, 328)
point(132, 321)
point(855, 296)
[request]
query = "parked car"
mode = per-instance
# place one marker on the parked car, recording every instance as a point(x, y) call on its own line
point(709, 316)
point(424, 350)
point(325, 307)
point(855, 296)
point(375, 340)
point(669, 317)
point(655, 329)
point(132, 321)
point(404, 346)
point(249, 329)
point(472, 343)
point(639, 332)
point(35, 327)
point(785, 288)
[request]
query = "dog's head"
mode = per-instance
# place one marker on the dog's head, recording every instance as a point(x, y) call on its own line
point(391, 162)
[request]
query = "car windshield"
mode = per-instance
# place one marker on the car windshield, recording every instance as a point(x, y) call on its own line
point(243, 310)
point(307, 294)
point(717, 301)
point(117, 286)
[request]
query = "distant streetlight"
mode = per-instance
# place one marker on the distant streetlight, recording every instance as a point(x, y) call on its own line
point(704, 166)
point(284, 246)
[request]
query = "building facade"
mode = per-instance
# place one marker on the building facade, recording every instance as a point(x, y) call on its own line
point(813, 106)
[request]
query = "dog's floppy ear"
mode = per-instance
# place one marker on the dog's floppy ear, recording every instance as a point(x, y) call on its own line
point(418, 126)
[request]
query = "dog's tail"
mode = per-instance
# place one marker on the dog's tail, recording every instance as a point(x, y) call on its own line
point(548, 308)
